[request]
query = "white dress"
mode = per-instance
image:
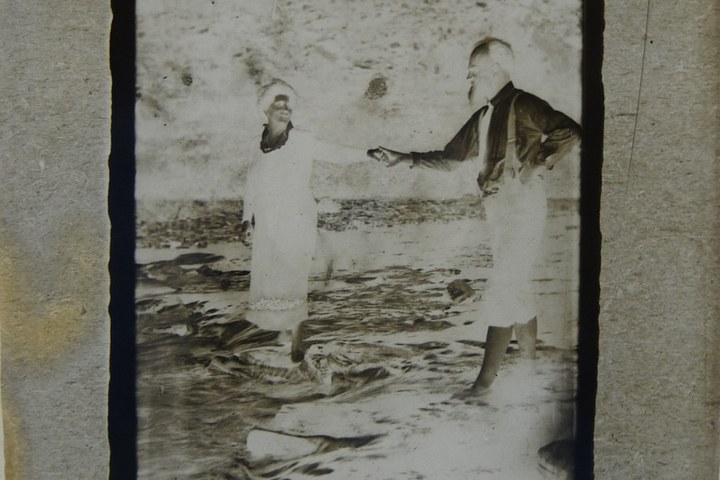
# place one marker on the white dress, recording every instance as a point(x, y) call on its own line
point(279, 197)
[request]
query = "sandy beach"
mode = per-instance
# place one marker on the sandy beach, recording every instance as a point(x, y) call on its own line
point(387, 348)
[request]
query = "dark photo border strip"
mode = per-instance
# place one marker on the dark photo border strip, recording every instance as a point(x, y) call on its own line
point(122, 413)
point(593, 113)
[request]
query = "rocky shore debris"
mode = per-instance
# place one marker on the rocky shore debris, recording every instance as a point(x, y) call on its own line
point(265, 446)
point(203, 223)
point(191, 272)
point(460, 290)
point(558, 459)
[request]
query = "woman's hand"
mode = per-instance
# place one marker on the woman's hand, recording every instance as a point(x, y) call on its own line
point(389, 157)
point(246, 233)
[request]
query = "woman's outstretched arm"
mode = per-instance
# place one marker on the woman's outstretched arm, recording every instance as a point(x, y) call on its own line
point(334, 152)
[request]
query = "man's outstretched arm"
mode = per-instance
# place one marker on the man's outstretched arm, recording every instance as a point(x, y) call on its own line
point(464, 145)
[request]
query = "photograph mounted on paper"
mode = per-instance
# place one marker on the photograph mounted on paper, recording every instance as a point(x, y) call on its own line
point(357, 239)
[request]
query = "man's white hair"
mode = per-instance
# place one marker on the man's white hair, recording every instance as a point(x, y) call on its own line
point(499, 50)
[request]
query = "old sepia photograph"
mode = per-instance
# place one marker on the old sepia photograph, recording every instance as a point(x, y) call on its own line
point(357, 239)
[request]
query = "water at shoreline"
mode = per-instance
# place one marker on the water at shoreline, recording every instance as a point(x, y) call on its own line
point(387, 348)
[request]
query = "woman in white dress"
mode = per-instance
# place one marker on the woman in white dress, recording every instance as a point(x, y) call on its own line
point(280, 215)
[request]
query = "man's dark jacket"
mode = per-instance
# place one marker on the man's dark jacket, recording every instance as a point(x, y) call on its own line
point(540, 132)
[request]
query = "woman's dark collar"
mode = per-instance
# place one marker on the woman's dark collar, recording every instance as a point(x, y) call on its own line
point(267, 145)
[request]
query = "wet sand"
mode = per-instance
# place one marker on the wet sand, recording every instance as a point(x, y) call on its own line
point(387, 349)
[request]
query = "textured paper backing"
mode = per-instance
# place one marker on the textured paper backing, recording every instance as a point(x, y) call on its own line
point(657, 400)
point(54, 237)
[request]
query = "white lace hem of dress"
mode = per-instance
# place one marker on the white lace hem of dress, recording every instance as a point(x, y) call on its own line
point(276, 304)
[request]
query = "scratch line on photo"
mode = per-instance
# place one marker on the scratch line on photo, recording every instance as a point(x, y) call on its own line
point(637, 106)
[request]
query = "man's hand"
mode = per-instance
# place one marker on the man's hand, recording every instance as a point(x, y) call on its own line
point(551, 161)
point(389, 157)
point(246, 233)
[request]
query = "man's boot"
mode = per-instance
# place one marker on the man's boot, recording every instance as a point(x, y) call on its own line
point(496, 343)
point(297, 347)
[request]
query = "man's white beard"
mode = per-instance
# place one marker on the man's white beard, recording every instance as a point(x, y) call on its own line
point(474, 98)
